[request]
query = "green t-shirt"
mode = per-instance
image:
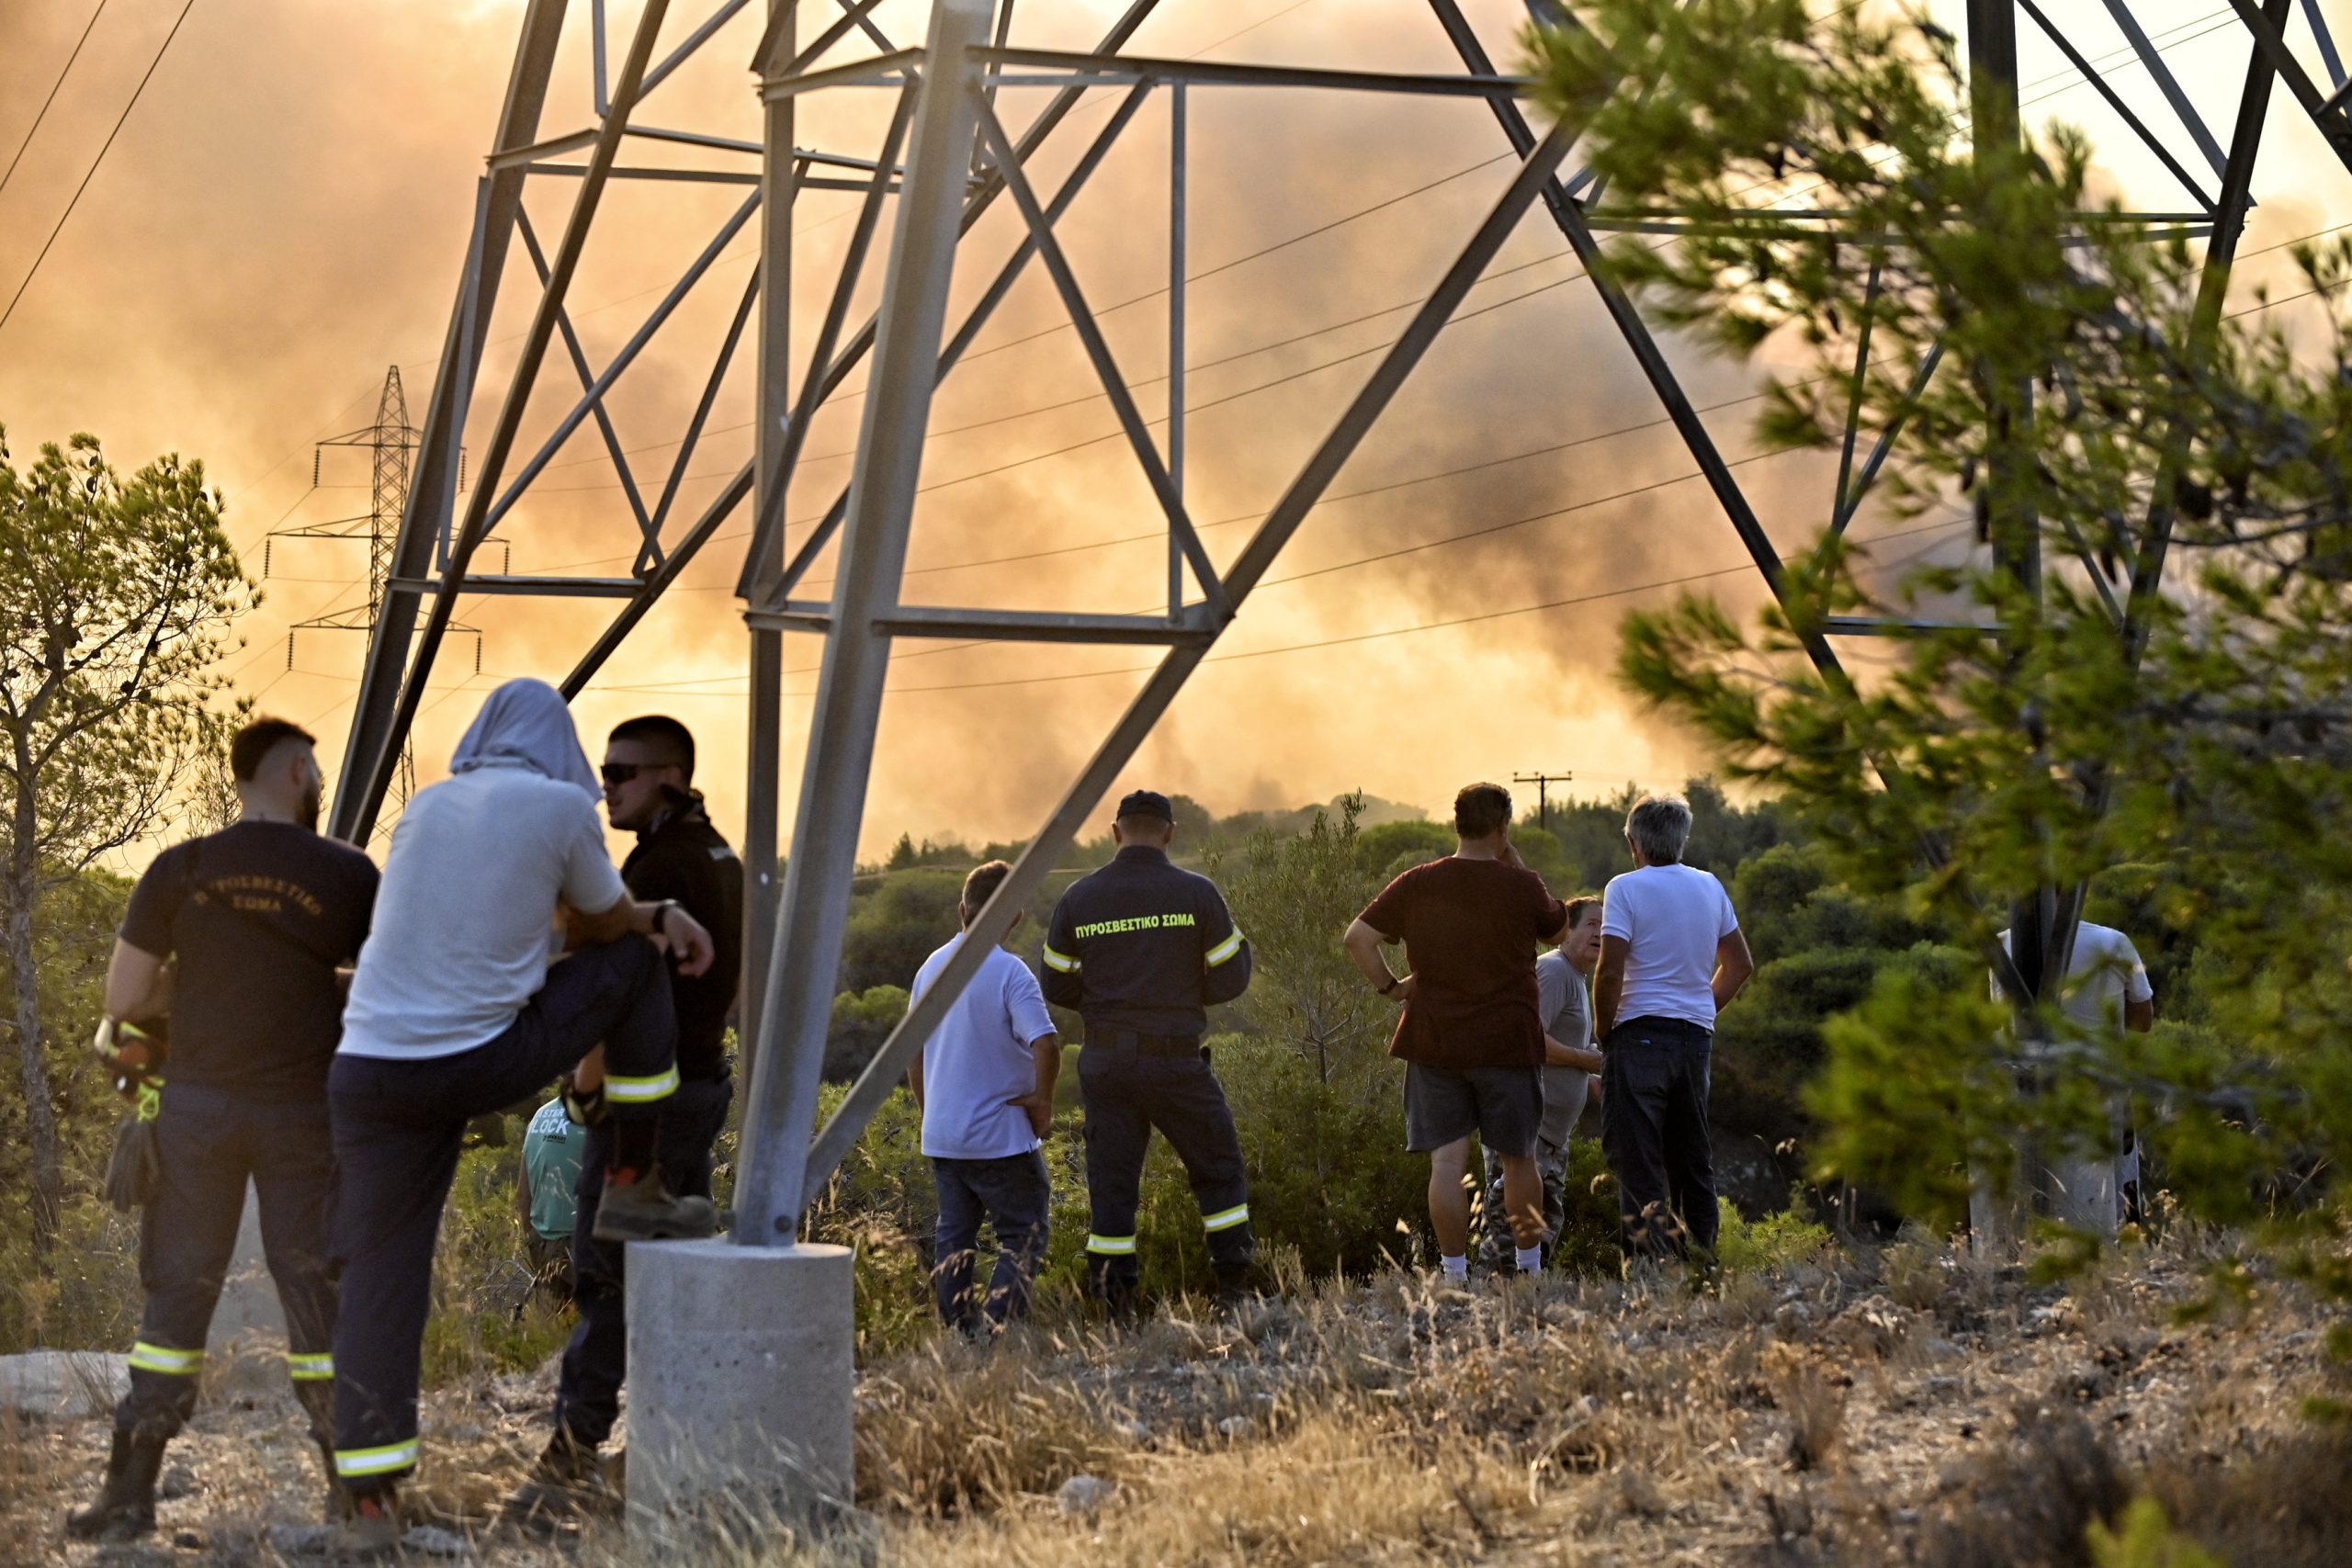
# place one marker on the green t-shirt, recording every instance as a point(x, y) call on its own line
point(551, 1163)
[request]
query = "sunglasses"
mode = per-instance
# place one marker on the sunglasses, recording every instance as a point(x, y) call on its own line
point(621, 772)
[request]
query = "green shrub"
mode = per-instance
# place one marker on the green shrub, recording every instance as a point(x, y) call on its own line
point(895, 922)
point(1768, 1245)
point(1588, 1240)
point(89, 1299)
point(862, 1021)
point(486, 1319)
point(2143, 1538)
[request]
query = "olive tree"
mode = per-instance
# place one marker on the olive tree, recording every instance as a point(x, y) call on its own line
point(115, 597)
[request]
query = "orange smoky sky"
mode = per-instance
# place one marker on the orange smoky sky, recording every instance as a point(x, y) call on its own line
point(284, 214)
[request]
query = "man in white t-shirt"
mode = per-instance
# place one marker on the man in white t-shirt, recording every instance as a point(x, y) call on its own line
point(455, 1010)
point(985, 1083)
point(1671, 957)
point(2106, 992)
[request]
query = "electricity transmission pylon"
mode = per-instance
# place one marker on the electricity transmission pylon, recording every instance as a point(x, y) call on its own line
point(391, 442)
point(957, 149)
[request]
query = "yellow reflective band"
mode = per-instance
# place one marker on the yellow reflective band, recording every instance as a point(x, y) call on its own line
point(1061, 961)
point(1225, 949)
point(1111, 1245)
point(1225, 1219)
point(165, 1359)
point(310, 1368)
point(637, 1091)
point(376, 1461)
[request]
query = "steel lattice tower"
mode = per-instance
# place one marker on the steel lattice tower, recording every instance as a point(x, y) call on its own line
point(949, 157)
point(391, 444)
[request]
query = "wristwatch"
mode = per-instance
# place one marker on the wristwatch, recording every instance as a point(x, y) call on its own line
point(1390, 988)
point(662, 916)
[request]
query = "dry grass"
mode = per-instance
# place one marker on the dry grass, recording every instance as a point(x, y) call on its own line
point(955, 1428)
point(25, 1462)
point(1836, 1412)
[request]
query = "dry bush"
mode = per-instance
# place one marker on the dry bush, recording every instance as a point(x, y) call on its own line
point(1813, 1399)
point(956, 1427)
point(2029, 1502)
point(1336, 1488)
point(1917, 1270)
point(2291, 1508)
point(24, 1460)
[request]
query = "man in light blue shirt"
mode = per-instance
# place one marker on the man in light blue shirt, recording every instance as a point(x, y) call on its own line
point(985, 1083)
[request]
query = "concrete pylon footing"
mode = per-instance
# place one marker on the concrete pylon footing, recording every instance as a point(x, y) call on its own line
point(741, 1378)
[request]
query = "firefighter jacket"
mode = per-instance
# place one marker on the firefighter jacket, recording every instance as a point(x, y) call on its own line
point(1146, 946)
point(682, 856)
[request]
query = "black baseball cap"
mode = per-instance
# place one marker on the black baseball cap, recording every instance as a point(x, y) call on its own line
point(1149, 803)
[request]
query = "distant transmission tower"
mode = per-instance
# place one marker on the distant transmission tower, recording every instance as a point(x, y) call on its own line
point(393, 442)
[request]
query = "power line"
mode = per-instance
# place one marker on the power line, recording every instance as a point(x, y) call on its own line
point(1324, 228)
point(34, 129)
point(1944, 526)
point(2077, 81)
point(135, 96)
point(1158, 534)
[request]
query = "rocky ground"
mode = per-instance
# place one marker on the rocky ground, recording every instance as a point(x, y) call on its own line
point(1897, 1405)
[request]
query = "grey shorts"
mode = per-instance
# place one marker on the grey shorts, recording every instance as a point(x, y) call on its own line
point(1503, 1105)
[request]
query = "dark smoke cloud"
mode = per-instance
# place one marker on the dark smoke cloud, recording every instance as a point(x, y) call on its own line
point(287, 213)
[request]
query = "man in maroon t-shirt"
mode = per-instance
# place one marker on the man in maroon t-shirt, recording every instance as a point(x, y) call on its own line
point(1471, 1037)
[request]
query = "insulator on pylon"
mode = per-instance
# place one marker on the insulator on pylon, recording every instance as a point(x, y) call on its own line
point(477, 656)
point(289, 650)
point(269, 542)
point(316, 452)
point(461, 472)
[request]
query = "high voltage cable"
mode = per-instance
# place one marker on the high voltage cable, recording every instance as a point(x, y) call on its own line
point(2077, 81)
point(35, 127)
point(1486, 530)
point(750, 254)
point(1383, 204)
point(1398, 484)
point(1944, 526)
point(136, 94)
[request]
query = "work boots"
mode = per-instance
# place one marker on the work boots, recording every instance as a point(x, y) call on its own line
point(317, 1398)
point(566, 1479)
point(125, 1509)
point(371, 1526)
point(636, 1206)
point(1119, 1301)
point(1238, 1286)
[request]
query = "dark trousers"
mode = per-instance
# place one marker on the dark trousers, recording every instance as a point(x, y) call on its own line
point(1014, 1197)
point(1127, 1093)
point(398, 1128)
point(211, 1141)
point(1653, 1134)
point(588, 1396)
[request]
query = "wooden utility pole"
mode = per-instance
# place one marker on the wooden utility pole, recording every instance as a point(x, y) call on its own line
point(1542, 783)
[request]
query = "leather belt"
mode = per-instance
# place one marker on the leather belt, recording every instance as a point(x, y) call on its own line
point(1144, 1044)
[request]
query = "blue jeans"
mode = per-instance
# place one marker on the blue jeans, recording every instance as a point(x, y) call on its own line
point(1015, 1196)
point(1654, 1080)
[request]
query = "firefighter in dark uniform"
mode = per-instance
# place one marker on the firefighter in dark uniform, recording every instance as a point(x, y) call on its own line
point(258, 919)
point(1141, 949)
point(649, 787)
